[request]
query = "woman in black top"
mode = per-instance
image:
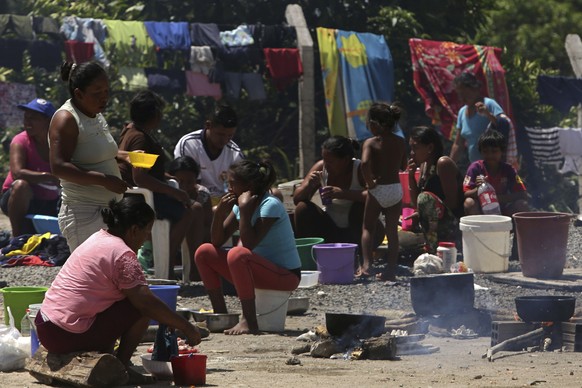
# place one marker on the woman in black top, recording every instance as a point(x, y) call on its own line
point(438, 196)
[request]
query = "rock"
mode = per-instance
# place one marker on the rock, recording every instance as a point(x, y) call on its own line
point(325, 348)
point(306, 348)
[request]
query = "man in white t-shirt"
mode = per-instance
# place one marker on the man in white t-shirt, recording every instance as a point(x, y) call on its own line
point(213, 149)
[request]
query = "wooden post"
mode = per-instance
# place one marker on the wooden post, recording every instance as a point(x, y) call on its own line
point(295, 18)
point(574, 49)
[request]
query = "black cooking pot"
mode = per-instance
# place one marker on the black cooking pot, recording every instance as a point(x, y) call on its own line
point(442, 294)
point(356, 325)
point(545, 308)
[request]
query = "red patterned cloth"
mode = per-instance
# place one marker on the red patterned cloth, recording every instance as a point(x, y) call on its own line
point(436, 64)
point(284, 66)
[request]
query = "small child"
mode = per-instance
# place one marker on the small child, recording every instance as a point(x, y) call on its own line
point(383, 156)
point(186, 171)
point(509, 187)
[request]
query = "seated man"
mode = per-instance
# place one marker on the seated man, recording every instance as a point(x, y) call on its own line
point(30, 187)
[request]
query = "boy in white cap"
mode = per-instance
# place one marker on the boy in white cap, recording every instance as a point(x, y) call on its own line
point(30, 187)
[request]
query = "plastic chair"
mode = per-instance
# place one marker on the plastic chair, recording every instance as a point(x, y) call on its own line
point(161, 240)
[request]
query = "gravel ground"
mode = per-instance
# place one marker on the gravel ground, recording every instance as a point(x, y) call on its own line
point(359, 297)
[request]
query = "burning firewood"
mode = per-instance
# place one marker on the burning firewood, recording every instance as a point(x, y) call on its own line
point(512, 342)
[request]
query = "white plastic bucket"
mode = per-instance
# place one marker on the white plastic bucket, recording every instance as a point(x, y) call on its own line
point(271, 308)
point(486, 242)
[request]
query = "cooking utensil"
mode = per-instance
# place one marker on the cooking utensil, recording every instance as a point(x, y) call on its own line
point(545, 308)
point(442, 294)
point(357, 325)
point(219, 322)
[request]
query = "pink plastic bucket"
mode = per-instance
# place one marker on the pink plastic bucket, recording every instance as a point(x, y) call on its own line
point(403, 175)
point(189, 370)
point(335, 261)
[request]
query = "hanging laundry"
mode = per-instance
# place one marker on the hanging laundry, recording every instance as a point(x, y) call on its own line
point(251, 82)
point(131, 41)
point(169, 35)
point(79, 52)
point(201, 59)
point(367, 75)
point(434, 67)
point(560, 92)
point(332, 88)
point(20, 26)
point(570, 140)
point(205, 34)
point(87, 30)
point(46, 25)
point(284, 66)
point(166, 81)
point(273, 36)
point(46, 54)
point(197, 84)
point(244, 58)
point(11, 53)
point(12, 94)
point(240, 36)
point(133, 78)
point(545, 145)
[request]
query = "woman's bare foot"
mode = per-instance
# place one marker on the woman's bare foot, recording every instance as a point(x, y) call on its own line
point(386, 276)
point(241, 328)
point(363, 272)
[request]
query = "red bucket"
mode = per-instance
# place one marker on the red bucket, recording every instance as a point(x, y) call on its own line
point(189, 370)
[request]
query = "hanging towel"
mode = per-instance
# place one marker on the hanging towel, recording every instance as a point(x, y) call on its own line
point(240, 36)
point(12, 51)
point(45, 54)
point(45, 25)
point(197, 84)
point(201, 59)
point(169, 35)
point(367, 75)
point(133, 78)
point(545, 145)
point(560, 92)
point(20, 26)
point(570, 140)
point(205, 34)
point(79, 52)
point(131, 41)
point(434, 67)
point(284, 66)
point(334, 101)
point(10, 95)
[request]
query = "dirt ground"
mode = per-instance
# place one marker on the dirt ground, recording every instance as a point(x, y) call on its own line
point(260, 361)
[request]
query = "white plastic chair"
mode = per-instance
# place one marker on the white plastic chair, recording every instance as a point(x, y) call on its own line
point(161, 240)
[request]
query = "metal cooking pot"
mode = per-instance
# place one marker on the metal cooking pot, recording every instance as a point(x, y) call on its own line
point(442, 294)
point(357, 325)
point(545, 308)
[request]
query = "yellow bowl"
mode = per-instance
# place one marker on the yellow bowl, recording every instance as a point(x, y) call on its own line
point(142, 160)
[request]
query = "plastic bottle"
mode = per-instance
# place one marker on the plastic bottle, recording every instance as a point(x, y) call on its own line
point(25, 324)
point(448, 254)
point(488, 198)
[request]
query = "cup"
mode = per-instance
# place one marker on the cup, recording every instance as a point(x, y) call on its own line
point(325, 200)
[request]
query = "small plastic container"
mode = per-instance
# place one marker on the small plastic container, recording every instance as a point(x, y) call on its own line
point(447, 251)
point(309, 279)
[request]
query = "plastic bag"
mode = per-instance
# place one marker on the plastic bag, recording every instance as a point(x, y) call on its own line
point(427, 264)
point(13, 347)
point(166, 345)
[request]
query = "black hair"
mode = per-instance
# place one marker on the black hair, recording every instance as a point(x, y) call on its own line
point(260, 175)
point(80, 76)
point(384, 114)
point(129, 211)
point(468, 80)
point(145, 106)
point(428, 135)
point(184, 163)
point(341, 147)
point(492, 138)
point(224, 115)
